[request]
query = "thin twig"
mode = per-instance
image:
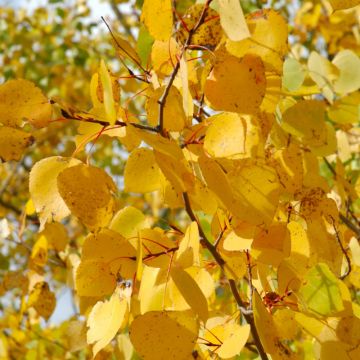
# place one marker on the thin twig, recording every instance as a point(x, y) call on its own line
point(131, 73)
point(120, 17)
point(69, 116)
point(343, 250)
point(162, 100)
point(250, 277)
point(220, 261)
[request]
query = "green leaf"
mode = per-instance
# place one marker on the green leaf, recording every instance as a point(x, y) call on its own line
point(294, 74)
point(321, 294)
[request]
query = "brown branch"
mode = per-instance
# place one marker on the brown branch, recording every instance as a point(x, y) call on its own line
point(69, 116)
point(343, 250)
point(162, 100)
point(220, 261)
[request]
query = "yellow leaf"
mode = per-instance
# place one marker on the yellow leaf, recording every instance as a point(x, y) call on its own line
point(191, 292)
point(189, 247)
point(306, 120)
point(208, 34)
point(39, 253)
point(226, 135)
point(266, 328)
point(128, 221)
point(176, 171)
point(44, 190)
point(42, 300)
point(288, 164)
point(172, 334)
point(343, 4)
point(158, 18)
point(108, 95)
point(104, 321)
point(269, 39)
point(232, 20)
point(94, 278)
point(174, 115)
point(348, 64)
point(124, 350)
point(13, 143)
point(142, 174)
point(76, 335)
point(56, 236)
point(113, 256)
point(87, 191)
point(163, 56)
point(346, 110)
point(271, 245)
point(230, 338)
point(155, 242)
point(236, 85)
point(21, 99)
point(324, 73)
point(256, 189)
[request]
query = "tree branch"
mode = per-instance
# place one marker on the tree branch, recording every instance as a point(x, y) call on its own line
point(162, 100)
point(220, 261)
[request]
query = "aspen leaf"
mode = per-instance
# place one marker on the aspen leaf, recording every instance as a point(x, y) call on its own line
point(94, 278)
point(306, 120)
point(39, 252)
point(125, 49)
point(320, 294)
point(271, 245)
point(13, 143)
point(256, 188)
point(323, 72)
point(44, 189)
point(348, 64)
point(345, 110)
point(208, 33)
point(189, 247)
point(87, 191)
point(343, 4)
point(56, 235)
point(191, 292)
point(294, 74)
point(108, 96)
point(104, 321)
point(76, 335)
point(142, 174)
point(21, 99)
point(268, 40)
point(232, 20)
point(163, 55)
point(173, 335)
point(225, 137)
point(157, 17)
point(236, 85)
point(267, 331)
point(109, 253)
point(176, 171)
point(230, 338)
point(125, 349)
point(128, 221)
point(174, 115)
point(288, 164)
point(155, 242)
point(42, 300)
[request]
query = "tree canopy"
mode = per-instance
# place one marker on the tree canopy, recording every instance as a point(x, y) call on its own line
point(180, 180)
